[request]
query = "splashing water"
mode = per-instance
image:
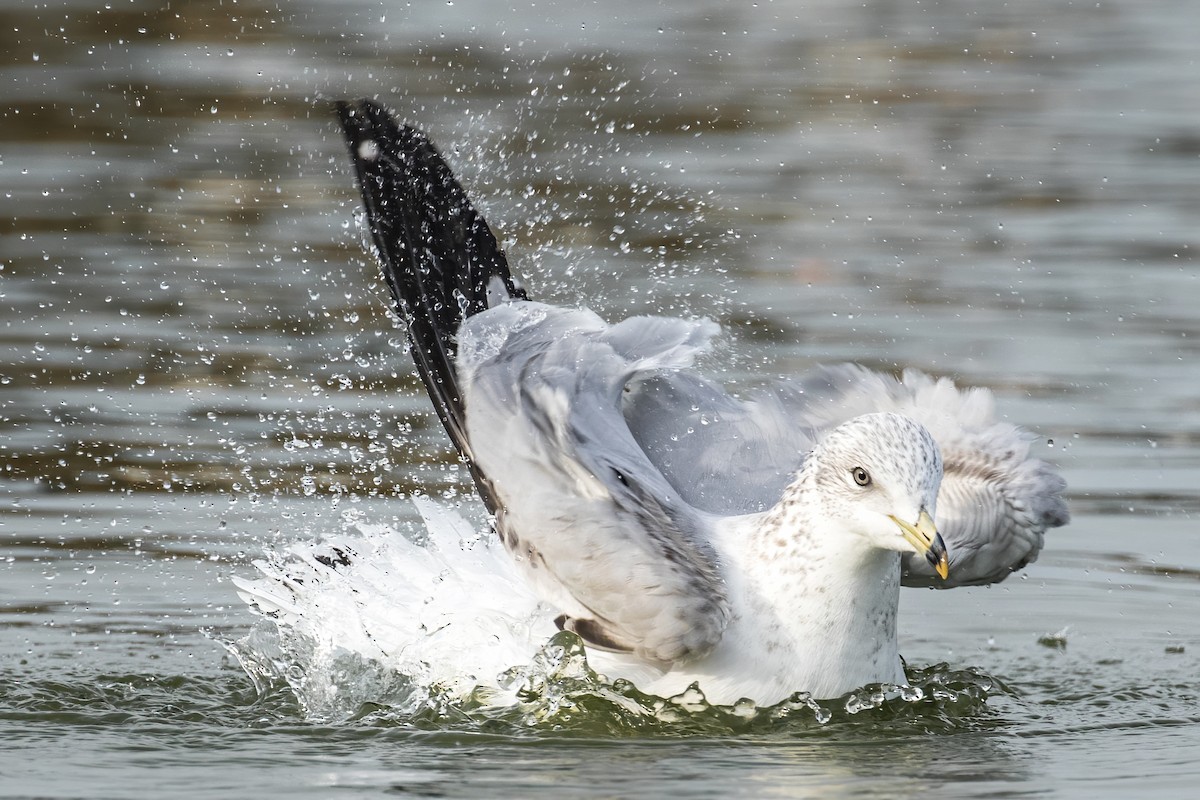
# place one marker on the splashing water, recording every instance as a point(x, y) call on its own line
point(443, 634)
point(559, 692)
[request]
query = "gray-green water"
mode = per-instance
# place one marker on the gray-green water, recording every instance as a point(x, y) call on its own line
point(196, 364)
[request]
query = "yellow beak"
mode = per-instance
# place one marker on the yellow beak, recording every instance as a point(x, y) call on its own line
point(928, 542)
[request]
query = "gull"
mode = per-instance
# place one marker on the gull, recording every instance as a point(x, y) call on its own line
point(753, 546)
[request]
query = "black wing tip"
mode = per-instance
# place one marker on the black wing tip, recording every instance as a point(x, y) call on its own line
point(358, 117)
point(437, 252)
point(419, 212)
point(366, 120)
point(365, 112)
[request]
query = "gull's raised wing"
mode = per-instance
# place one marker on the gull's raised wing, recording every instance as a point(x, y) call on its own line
point(438, 255)
point(605, 536)
point(531, 397)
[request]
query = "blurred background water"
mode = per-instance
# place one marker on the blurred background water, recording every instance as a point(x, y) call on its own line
point(197, 364)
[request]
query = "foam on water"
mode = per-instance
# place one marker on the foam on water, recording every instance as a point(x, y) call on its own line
point(435, 625)
point(559, 691)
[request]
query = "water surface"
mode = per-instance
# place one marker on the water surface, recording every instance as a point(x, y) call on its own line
point(196, 362)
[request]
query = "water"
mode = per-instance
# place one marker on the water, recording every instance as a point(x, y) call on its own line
point(196, 364)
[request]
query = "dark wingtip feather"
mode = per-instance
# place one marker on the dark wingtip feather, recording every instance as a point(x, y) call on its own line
point(438, 254)
point(593, 633)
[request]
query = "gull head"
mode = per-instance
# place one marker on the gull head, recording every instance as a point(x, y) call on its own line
point(878, 476)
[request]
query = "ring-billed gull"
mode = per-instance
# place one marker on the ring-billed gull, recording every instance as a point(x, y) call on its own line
point(758, 554)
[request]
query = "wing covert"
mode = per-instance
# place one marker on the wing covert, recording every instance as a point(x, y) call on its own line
point(606, 537)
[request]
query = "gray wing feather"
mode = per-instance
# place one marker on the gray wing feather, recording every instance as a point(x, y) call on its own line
point(727, 455)
point(723, 454)
point(996, 501)
point(602, 533)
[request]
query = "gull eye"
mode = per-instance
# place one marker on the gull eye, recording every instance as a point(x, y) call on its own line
point(861, 476)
